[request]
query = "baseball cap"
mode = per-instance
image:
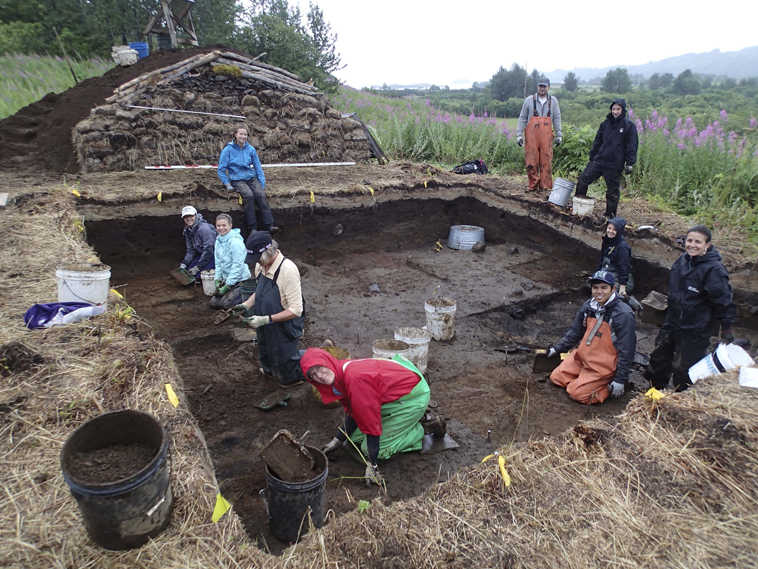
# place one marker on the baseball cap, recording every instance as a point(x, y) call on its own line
point(188, 210)
point(257, 243)
point(603, 277)
point(545, 82)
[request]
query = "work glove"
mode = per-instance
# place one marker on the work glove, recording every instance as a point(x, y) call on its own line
point(331, 445)
point(727, 336)
point(219, 283)
point(558, 140)
point(628, 169)
point(239, 309)
point(182, 266)
point(551, 351)
point(223, 289)
point(257, 321)
point(194, 270)
point(622, 291)
point(229, 187)
point(373, 476)
point(616, 389)
point(520, 140)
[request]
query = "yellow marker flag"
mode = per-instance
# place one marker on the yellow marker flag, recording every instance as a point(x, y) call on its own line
point(313, 197)
point(172, 395)
point(239, 200)
point(486, 458)
point(76, 193)
point(370, 189)
point(117, 294)
point(654, 394)
point(160, 196)
point(221, 507)
point(503, 471)
point(425, 183)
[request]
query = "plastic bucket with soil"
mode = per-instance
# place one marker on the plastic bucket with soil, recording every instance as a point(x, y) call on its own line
point(116, 466)
point(418, 345)
point(387, 349)
point(83, 283)
point(440, 317)
point(293, 504)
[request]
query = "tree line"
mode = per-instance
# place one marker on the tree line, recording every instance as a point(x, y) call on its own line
point(302, 43)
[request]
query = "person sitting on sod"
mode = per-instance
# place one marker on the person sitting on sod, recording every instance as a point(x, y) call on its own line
point(604, 330)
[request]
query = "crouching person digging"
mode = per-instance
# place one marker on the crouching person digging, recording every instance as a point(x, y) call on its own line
point(277, 309)
point(604, 330)
point(384, 402)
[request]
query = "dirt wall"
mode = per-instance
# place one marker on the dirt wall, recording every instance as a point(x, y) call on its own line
point(283, 126)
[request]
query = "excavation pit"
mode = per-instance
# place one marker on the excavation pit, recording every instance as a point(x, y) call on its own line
point(366, 272)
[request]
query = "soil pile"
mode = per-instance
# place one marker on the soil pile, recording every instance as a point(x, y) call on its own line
point(38, 137)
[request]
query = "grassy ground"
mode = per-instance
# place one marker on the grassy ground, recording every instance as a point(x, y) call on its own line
point(27, 78)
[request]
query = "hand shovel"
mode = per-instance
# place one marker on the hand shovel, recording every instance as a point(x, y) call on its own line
point(544, 364)
point(182, 276)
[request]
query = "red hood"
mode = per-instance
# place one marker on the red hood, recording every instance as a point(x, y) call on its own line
point(318, 357)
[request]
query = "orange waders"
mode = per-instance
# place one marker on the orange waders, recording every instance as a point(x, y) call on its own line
point(538, 149)
point(587, 371)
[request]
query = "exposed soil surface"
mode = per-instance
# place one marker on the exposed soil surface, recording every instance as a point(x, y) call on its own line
point(39, 135)
point(521, 291)
point(111, 463)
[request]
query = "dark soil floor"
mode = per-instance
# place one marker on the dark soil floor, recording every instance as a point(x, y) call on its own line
point(522, 290)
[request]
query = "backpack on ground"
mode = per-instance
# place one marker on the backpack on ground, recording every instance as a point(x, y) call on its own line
point(471, 167)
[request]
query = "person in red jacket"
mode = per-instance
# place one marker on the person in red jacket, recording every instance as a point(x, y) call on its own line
point(384, 402)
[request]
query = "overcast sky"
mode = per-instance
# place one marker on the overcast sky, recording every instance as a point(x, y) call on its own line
point(458, 42)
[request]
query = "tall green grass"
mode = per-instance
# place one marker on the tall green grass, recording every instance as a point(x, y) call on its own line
point(710, 175)
point(27, 78)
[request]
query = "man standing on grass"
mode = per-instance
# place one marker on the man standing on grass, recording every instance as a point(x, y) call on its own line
point(613, 151)
point(540, 116)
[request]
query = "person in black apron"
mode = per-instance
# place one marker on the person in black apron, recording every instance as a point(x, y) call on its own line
point(277, 309)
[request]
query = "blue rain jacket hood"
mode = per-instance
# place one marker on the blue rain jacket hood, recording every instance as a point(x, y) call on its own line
point(240, 163)
point(616, 254)
point(230, 255)
point(199, 239)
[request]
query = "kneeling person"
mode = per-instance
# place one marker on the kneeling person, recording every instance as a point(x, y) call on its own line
point(277, 306)
point(604, 330)
point(231, 270)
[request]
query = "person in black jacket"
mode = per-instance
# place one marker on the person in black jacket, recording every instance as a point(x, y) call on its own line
point(699, 303)
point(199, 242)
point(616, 256)
point(604, 330)
point(613, 151)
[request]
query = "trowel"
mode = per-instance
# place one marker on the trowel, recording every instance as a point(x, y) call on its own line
point(182, 276)
point(544, 364)
point(432, 444)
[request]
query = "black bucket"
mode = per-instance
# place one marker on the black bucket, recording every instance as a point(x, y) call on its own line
point(290, 503)
point(125, 512)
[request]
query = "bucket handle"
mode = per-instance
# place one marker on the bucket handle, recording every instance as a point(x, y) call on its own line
point(262, 494)
point(152, 510)
point(65, 282)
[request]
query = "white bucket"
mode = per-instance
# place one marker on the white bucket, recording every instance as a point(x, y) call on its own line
point(723, 358)
point(582, 206)
point(385, 349)
point(562, 189)
point(464, 237)
point(84, 283)
point(418, 341)
point(749, 376)
point(440, 317)
point(209, 282)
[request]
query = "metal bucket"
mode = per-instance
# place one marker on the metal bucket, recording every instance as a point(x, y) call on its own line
point(562, 190)
point(464, 237)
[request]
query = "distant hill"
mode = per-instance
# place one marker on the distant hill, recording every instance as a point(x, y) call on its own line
point(735, 64)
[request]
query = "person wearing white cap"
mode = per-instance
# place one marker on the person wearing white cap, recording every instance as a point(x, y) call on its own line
point(540, 116)
point(199, 240)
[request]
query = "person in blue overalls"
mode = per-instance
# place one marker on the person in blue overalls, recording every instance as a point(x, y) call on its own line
point(277, 309)
point(239, 169)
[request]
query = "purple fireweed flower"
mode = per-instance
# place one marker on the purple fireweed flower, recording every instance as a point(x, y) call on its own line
point(723, 115)
point(753, 122)
point(427, 102)
point(681, 146)
point(678, 124)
